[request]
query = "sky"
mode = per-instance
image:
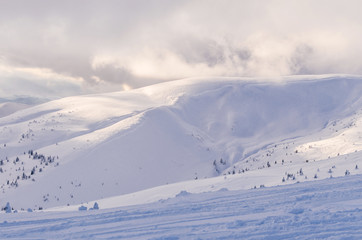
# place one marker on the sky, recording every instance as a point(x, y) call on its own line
point(53, 48)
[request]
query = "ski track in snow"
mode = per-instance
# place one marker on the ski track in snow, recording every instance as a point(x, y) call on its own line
point(326, 209)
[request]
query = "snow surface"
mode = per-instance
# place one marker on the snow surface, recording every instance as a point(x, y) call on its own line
point(8, 108)
point(194, 135)
point(326, 209)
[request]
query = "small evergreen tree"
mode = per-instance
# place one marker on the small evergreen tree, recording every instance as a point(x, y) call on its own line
point(82, 208)
point(95, 206)
point(7, 208)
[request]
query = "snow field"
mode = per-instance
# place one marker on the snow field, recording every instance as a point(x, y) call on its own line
point(326, 209)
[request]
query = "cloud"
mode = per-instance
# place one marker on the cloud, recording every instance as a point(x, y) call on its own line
point(95, 46)
point(17, 82)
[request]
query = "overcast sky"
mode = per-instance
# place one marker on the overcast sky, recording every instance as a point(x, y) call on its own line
point(58, 48)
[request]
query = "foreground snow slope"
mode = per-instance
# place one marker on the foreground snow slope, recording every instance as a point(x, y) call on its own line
point(327, 209)
point(79, 149)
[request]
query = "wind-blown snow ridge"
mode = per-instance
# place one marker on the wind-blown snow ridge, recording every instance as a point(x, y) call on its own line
point(79, 149)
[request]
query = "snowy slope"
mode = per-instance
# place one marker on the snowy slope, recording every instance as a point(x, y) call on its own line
point(8, 108)
point(94, 147)
point(327, 209)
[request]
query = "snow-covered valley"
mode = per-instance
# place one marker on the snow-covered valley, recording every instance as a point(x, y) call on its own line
point(150, 145)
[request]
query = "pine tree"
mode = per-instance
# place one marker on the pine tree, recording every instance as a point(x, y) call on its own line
point(7, 208)
point(95, 206)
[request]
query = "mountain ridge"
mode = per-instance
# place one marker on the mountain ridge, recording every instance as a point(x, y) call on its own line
point(104, 145)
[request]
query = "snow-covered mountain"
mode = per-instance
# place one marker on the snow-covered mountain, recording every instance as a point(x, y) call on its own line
point(197, 135)
point(7, 108)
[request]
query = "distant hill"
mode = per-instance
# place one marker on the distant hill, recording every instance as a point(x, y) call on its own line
point(8, 108)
